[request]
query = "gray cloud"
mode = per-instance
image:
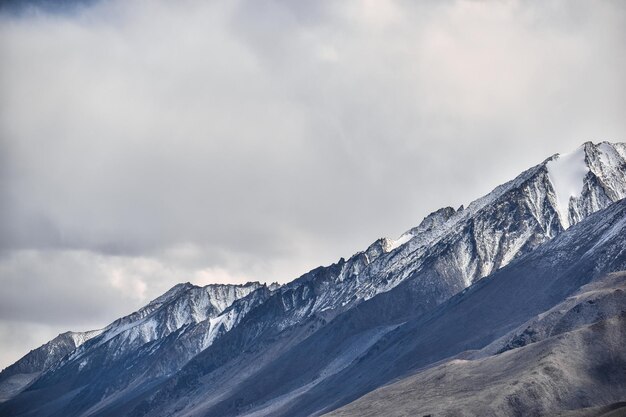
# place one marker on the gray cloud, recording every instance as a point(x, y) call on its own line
point(146, 143)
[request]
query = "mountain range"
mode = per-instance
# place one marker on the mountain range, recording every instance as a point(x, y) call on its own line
point(513, 305)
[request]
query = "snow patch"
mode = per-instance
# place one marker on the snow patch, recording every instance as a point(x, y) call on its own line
point(620, 148)
point(566, 173)
point(609, 155)
point(399, 242)
point(81, 337)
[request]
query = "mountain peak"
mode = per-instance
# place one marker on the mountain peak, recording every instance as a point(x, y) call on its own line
point(567, 173)
point(591, 168)
point(172, 293)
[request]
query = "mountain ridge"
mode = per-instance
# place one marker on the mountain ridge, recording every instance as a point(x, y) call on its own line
point(372, 293)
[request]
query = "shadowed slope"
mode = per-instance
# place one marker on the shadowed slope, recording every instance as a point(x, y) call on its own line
point(570, 357)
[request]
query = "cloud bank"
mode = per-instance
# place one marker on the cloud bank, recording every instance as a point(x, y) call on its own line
point(149, 142)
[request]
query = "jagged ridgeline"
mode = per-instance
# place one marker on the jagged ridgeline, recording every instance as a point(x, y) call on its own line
point(466, 287)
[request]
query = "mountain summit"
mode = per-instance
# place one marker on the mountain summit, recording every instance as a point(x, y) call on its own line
point(464, 284)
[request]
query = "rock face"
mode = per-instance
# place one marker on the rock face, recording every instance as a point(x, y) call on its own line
point(203, 351)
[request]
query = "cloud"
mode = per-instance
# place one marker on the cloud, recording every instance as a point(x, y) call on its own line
point(146, 143)
point(19, 338)
point(67, 287)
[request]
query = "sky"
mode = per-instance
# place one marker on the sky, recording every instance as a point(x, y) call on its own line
point(145, 143)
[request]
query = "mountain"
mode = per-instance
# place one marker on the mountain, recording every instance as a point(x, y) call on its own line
point(184, 310)
point(303, 348)
point(569, 357)
point(355, 353)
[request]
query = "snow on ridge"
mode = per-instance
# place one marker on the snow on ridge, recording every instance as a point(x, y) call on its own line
point(566, 174)
point(223, 296)
point(171, 293)
point(620, 148)
point(399, 242)
point(610, 154)
point(183, 304)
point(81, 337)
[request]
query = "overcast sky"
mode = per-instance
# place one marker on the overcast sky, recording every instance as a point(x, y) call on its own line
point(149, 142)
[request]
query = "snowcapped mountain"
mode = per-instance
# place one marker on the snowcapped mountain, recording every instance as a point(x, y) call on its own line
point(183, 305)
point(586, 180)
point(452, 249)
point(203, 350)
point(179, 309)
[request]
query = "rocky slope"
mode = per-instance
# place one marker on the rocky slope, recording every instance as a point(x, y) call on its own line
point(570, 357)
